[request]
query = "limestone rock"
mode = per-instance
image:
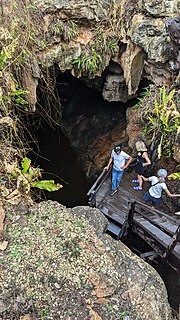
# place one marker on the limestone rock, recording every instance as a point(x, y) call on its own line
point(115, 88)
point(93, 11)
point(160, 8)
point(150, 34)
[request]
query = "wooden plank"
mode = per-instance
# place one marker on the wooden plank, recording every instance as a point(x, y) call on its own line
point(169, 227)
point(158, 220)
point(113, 216)
point(113, 228)
point(149, 254)
point(159, 236)
point(120, 211)
point(97, 183)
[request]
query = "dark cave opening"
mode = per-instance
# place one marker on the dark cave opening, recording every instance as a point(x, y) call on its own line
point(59, 157)
point(59, 163)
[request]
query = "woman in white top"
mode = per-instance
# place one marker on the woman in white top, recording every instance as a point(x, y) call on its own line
point(157, 186)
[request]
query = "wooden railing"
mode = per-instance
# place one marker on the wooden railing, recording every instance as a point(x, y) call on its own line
point(95, 187)
point(174, 236)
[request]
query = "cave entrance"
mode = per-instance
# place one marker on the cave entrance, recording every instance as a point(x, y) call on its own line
point(59, 163)
point(63, 136)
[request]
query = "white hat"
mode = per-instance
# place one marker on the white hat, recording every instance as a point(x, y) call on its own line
point(162, 173)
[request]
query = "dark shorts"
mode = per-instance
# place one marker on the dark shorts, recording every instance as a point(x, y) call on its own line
point(139, 169)
point(149, 198)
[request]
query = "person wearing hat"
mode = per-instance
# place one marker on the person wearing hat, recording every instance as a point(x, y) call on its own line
point(158, 184)
point(118, 158)
point(142, 161)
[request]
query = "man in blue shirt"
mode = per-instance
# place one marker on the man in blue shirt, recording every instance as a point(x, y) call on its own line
point(118, 158)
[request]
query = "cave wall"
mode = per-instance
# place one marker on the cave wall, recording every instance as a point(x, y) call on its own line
point(142, 37)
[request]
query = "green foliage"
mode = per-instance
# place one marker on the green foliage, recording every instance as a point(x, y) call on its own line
point(174, 176)
point(18, 96)
point(66, 30)
point(112, 45)
point(32, 175)
point(160, 119)
point(122, 24)
point(48, 185)
point(143, 94)
point(94, 57)
point(31, 6)
point(25, 165)
point(57, 28)
point(88, 63)
point(72, 30)
point(7, 52)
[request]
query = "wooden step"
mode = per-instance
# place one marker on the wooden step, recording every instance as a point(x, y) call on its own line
point(169, 227)
point(113, 229)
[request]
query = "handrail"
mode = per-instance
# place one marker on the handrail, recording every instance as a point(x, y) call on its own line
point(172, 244)
point(99, 180)
point(154, 210)
point(156, 224)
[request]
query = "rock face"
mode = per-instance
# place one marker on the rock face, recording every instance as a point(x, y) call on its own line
point(142, 37)
point(70, 265)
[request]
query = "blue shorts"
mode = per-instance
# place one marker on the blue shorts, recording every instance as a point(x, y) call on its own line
point(148, 197)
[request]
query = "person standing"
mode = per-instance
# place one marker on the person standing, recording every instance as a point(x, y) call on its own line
point(142, 161)
point(158, 184)
point(120, 161)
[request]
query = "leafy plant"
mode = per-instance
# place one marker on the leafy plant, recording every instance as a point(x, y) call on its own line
point(57, 28)
point(112, 45)
point(48, 185)
point(160, 118)
point(7, 52)
point(89, 63)
point(33, 174)
point(72, 30)
point(18, 96)
point(143, 94)
point(174, 176)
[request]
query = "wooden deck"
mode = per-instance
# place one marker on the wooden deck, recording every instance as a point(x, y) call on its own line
point(125, 210)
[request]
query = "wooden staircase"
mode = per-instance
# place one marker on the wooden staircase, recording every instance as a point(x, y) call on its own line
point(125, 212)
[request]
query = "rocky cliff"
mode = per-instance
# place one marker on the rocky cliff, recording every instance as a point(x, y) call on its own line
point(60, 265)
point(140, 37)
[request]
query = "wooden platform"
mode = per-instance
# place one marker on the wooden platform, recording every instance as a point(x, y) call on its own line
point(159, 229)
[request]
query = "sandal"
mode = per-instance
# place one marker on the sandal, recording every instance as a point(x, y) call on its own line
point(135, 181)
point(137, 188)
